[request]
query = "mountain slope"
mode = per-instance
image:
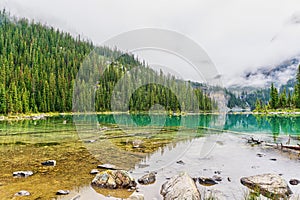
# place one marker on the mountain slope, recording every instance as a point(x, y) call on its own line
point(262, 77)
point(39, 67)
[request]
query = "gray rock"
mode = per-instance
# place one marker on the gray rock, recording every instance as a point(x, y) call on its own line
point(49, 163)
point(22, 193)
point(62, 192)
point(114, 179)
point(269, 185)
point(22, 173)
point(94, 171)
point(147, 179)
point(180, 187)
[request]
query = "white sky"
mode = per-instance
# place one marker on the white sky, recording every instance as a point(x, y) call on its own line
point(236, 34)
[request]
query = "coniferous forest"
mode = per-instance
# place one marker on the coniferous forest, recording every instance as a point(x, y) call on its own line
point(39, 65)
point(284, 99)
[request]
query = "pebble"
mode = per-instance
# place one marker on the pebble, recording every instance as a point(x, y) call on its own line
point(49, 163)
point(180, 162)
point(94, 171)
point(22, 173)
point(22, 193)
point(62, 192)
point(294, 181)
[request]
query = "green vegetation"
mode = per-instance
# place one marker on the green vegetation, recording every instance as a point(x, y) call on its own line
point(38, 68)
point(283, 101)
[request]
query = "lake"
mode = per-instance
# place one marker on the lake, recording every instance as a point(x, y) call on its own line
point(141, 143)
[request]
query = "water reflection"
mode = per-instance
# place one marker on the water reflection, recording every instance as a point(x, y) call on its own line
point(276, 125)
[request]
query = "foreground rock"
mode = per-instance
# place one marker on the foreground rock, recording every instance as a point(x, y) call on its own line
point(180, 187)
point(269, 185)
point(22, 174)
point(22, 193)
point(49, 163)
point(113, 179)
point(147, 179)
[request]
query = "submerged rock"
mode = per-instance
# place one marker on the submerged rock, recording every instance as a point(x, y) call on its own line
point(269, 185)
point(62, 192)
point(94, 171)
point(22, 193)
point(49, 163)
point(22, 173)
point(180, 187)
point(137, 143)
point(113, 179)
point(147, 179)
point(107, 166)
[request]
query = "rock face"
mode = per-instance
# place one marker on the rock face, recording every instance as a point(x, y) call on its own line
point(270, 185)
point(22, 173)
point(180, 187)
point(147, 179)
point(113, 179)
point(49, 163)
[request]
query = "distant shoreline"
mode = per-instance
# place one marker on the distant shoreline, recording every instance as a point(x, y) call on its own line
point(37, 116)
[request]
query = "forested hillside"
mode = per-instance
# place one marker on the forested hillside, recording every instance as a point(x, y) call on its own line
point(39, 64)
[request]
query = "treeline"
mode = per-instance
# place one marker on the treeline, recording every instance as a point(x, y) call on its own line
point(39, 65)
point(284, 99)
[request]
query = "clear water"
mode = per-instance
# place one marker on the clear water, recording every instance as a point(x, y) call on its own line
point(204, 142)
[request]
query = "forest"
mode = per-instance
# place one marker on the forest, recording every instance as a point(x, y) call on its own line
point(283, 99)
point(39, 66)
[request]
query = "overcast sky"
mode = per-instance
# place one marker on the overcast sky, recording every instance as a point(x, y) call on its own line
point(237, 35)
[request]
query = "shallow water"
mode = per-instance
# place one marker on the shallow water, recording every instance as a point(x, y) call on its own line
point(165, 140)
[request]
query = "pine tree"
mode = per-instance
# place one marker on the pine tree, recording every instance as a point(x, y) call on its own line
point(274, 97)
point(282, 103)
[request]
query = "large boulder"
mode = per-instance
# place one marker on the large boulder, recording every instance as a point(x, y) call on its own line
point(269, 185)
point(180, 187)
point(113, 179)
